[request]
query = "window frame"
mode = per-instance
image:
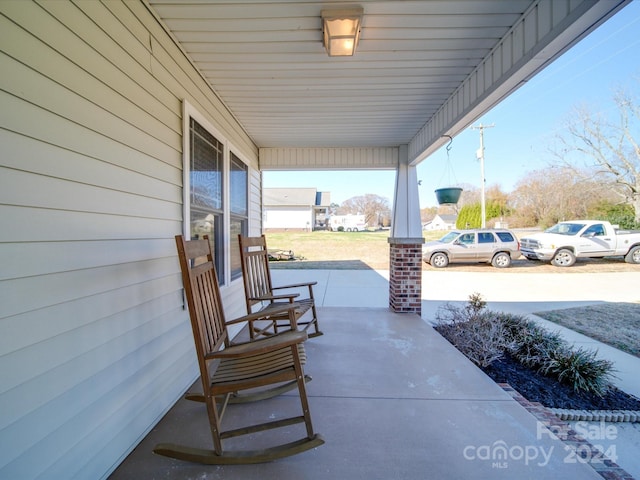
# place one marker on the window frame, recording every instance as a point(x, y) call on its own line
point(190, 112)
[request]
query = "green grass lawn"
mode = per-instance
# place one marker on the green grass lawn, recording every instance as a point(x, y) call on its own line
point(347, 249)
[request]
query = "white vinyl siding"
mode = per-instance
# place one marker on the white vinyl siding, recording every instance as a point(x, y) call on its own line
point(95, 345)
point(295, 218)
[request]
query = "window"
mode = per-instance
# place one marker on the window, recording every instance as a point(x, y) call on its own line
point(239, 211)
point(467, 238)
point(486, 237)
point(505, 236)
point(216, 192)
point(206, 169)
point(596, 230)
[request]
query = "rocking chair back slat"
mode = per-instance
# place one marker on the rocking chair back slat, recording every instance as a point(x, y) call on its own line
point(258, 275)
point(202, 297)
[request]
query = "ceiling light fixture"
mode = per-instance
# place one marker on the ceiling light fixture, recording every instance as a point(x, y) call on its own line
point(341, 30)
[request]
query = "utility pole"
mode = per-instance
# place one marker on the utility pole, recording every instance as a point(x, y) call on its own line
point(480, 156)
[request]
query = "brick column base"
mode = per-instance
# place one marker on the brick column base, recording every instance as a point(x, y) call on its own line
point(405, 275)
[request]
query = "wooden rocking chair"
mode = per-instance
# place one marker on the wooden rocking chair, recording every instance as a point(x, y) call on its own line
point(259, 290)
point(226, 369)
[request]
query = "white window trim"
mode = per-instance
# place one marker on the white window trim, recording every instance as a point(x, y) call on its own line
point(188, 112)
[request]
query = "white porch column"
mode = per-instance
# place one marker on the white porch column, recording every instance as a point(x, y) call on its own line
point(405, 241)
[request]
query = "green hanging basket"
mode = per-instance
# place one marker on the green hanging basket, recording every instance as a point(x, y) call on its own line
point(448, 195)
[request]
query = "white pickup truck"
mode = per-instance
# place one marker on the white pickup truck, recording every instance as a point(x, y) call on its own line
point(566, 241)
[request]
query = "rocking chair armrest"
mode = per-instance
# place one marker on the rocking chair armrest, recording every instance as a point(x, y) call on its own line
point(263, 345)
point(289, 296)
point(262, 315)
point(295, 285)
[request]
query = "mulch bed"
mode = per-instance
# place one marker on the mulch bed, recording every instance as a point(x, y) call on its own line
point(536, 387)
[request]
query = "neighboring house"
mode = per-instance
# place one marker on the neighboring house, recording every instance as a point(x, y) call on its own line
point(301, 209)
point(441, 222)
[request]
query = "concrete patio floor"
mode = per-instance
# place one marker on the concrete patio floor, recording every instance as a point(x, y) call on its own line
point(391, 398)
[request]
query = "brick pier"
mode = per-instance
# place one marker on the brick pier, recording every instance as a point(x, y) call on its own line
point(405, 275)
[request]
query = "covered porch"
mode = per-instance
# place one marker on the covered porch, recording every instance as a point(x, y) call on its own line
point(100, 103)
point(393, 399)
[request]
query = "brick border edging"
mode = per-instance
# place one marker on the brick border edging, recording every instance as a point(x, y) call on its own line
point(611, 416)
point(607, 469)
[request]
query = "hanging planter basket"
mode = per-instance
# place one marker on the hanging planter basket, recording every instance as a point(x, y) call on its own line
point(449, 195)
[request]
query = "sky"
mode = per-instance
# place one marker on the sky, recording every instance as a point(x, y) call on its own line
point(524, 124)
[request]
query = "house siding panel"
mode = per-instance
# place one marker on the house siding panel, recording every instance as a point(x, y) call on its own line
point(95, 345)
point(285, 218)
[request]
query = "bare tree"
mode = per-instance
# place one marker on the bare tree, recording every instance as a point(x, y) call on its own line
point(428, 213)
point(612, 147)
point(545, 197)
point(375, 208)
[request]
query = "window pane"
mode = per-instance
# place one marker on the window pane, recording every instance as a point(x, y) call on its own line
point(205, 176)
point(485, 237)
point(206, 168)
point(239, 211)
point(238, 227)
point(238, 187)
point(505, 236)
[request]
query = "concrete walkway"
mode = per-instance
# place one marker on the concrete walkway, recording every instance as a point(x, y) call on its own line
point(519, 293)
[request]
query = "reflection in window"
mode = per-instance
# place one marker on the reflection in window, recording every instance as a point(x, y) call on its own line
point(206, 168)
point(485, 237)
point(239, 182)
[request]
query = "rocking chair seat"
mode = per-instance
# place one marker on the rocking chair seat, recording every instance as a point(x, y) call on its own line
point(232, 369)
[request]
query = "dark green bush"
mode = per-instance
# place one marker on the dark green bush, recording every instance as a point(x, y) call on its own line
point(622, 215)
point(580, 369)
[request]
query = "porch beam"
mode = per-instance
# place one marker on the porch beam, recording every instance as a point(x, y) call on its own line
point(338, 158)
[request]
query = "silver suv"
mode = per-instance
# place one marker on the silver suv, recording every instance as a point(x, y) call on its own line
point(495, 246)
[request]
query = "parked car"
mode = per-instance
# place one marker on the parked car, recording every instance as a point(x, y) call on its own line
point(496, 246)
point(566, 241)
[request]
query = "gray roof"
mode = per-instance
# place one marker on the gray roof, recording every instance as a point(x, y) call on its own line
point(323, 199)
point(289, 197)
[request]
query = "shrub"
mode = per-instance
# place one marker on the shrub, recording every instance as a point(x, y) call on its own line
point(475, 306)
point(533, 346)
point(483, 336)
point(581, 370)
point(622, 215)
point(472, 331)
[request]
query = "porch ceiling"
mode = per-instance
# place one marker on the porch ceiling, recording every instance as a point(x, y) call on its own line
point(422, 68)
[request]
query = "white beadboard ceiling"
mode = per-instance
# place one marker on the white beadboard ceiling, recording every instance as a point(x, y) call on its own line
point(407, 82)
